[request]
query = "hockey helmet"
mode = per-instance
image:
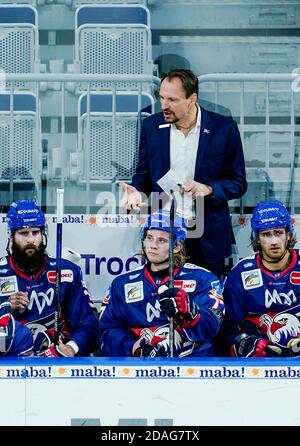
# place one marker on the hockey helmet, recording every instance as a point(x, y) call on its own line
point(270, 214)
point(25, 214)
point(161, 220)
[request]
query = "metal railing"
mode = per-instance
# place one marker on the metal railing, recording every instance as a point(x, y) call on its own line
point(265, 86)
point(66, 84)
point(223, 89)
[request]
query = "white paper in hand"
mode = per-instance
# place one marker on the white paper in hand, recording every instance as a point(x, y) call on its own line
point(170, 181)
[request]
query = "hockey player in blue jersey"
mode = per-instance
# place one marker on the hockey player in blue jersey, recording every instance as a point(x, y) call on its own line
point(262, 292)
point(15, 338)
point(27, 281)
point(134, 316)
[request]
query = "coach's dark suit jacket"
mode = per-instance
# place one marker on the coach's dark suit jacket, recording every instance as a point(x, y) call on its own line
point(219, 163)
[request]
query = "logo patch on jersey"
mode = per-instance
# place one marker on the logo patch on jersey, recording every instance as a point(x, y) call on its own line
point(3, 261)
point(186, 285)
point(216, 287)
point(295, 277)
point(8, 285)
point(251, 279)
point(134, 292)
point(66, 276)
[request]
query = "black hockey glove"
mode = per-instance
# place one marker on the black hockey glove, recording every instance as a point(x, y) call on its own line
point(152, 351)
point(44, 341)
point(246, 346)
point(44, 345)
point(176, 302)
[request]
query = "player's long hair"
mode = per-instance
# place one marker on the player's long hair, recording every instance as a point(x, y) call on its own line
point(180, 258)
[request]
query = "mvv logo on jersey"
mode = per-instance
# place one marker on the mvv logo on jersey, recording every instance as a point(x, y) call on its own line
point(8, 285)
point(134, 292)
point(41, 299)
point(252, 279)
point(66, 275)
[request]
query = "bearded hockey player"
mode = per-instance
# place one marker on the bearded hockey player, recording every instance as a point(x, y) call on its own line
point(262, 292)
point(28, 276)
point(134, 317)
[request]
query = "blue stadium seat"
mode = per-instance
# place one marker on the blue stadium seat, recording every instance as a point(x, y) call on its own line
point(109, 142)
point(21, 158)
point(19, 44)
point(76, 3)
point(113, 39)
point(112, 14)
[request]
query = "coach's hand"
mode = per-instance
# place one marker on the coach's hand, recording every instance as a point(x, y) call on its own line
point(132, 198)
point(196, 189)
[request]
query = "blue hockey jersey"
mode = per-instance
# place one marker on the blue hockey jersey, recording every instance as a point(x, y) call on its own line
point(259, 302)
point(77, 314)
point(15, 338)
point(132, 308)
point(22, 343)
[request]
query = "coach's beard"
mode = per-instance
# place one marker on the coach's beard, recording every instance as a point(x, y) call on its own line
point(170, 118)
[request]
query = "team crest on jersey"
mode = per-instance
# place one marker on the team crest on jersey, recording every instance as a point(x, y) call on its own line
point(66, 276)
point(134, 292)
point(281, 327)
point(295, 277)
point(187, 285)
point(252, 279)
point(8, 285)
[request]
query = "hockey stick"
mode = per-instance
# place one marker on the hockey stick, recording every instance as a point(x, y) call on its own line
point(171, 269)
point(59, 214)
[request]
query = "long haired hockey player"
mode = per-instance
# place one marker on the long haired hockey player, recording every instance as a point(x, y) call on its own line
point(135, 315)
point(262, 291)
